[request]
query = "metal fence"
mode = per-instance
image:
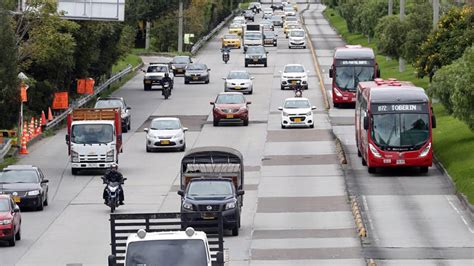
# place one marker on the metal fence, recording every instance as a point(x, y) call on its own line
point(83, 100)
point(4, 148)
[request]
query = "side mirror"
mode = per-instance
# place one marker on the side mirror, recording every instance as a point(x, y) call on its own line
point(240, 193)
point(143, 70)
point(185, 129)
point(112, 260)
point(249, 102)
point(266, 52)
point(366, 123)
point(313, 107)
point(279, 71)
point(433, 121)
point(67, 138)
point(146, 130)
point(330, 72)
point(252, 78)
point(208, 69)
point(129, 108)
point(16, 208)
point(44, 181)
point(224, 78)
point(181, 193)
point(212, 103)
point(280, 108)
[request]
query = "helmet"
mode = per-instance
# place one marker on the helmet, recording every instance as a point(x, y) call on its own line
point(114, 166)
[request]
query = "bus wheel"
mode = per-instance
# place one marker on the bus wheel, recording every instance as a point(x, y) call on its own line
point(358, 153)
point(424, 169)
point(371, 170)
point(364, 162)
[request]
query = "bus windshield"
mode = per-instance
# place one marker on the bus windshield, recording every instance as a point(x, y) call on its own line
point(348, 77)
point(400, 131)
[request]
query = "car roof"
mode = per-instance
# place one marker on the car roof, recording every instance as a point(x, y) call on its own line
point(392, 94)
point(220, 179)
point(230, 92)
point(239, 70)
point(110, 98)
point(287, 65)
point(20, 167)
point(297, 98)
point(165, 118)
point(354, 52)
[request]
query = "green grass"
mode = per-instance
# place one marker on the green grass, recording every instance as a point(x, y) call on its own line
point(8, 161)
point(131, 58)
point(453, 140)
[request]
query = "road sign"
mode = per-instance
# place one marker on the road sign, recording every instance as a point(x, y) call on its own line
point(111, 10)
point(187, 38)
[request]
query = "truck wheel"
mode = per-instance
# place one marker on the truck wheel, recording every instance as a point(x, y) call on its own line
point(265, 65)
point(235, 230)
point(74, 171)
point(358, 152)
point(246, 64)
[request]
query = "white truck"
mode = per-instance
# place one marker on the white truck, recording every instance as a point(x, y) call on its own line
point(161, 240)
point(253, 35)
point(94, 138)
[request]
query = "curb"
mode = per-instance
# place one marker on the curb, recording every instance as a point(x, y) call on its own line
point(340, 151)
point(361, 230)
point(315, 60)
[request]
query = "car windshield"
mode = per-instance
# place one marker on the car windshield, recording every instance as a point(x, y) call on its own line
point(253, 36)
point(235, 26)
point(293, 104)
point(157, 69)
point(165, 124)
point(269, 34)
point(167, 252)
point(400, 130)
point(255, 50)
point(288, 8)
point(92, 133)
point(238, 75)
point(4, 205)
point(181, 60)
point(296, 33)
point(197, 67)
point(348, 77)
point(109, 104)
point(19, 176)
point(276, 18)
point(230, 99)
point(231, 36)
point(294, 69)
point(210, 188)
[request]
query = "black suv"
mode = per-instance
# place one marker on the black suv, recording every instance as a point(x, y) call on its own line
point(206, 195)
point(117, 102)
point(26, 184)
point(256, 55)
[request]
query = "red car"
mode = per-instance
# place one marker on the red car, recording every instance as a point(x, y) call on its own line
point(10, 220)
point(230, 107)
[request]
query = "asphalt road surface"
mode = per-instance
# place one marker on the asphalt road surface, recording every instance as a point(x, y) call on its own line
point(295, 210)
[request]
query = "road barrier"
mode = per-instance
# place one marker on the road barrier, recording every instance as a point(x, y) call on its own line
point(4, 148)
point(83, 100)
point(362, 232)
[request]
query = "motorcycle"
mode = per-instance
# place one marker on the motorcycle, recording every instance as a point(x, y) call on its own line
point(298, 89)
point(166, 90)
point(225, 55)
point(113, 191)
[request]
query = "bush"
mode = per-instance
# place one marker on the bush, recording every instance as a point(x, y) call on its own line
point(367, 15)
point(391, 35)
point(348, 10)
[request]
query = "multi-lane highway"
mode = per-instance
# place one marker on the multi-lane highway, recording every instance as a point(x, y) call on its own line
point(296, 209)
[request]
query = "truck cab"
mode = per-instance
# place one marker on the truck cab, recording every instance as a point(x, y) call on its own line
point(155, 73)
point(187, 247)
point(94, 138)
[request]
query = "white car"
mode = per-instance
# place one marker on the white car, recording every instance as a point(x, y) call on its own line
point(296, 38)
point(297, 112)
point(238, 80)
point(289, 11)
point(165, 133)
point(293, 73)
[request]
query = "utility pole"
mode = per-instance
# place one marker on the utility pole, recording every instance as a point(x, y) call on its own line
point(435, 14)
point(390, 7)
point(147, 36)
point(401, 61)
point(180, 27)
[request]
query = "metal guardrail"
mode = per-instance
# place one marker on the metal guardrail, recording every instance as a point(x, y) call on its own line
point(4, 148)
point(83, 100)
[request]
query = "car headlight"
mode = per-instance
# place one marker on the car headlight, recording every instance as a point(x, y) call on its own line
point(5, 222)
point(426, 150)
point(74, 157)
point(285, 114)
point(187, 206)
point(338, 94)
point(243, 108)
point(230, 205)
point(33, 193)
point(177, 136)
point(110, 156)
point(173, 67)
point(309, 113)
point(374, 151)
point(123, 115)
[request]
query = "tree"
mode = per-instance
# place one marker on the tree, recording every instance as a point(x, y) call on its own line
point(367, 15)
point(455, 33)
point(453, 85)
point(390, 33)
point(9, 92)
point(348, 11)
point(418, 24)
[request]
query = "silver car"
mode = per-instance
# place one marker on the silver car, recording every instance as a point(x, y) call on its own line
point(165, 133)
point(238, 80)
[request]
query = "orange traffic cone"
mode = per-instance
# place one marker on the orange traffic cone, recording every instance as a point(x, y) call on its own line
point(25, 132)
point(38, 127)
point(31, 129)
point(50, 114)
point(43, 119)
point(23, 149)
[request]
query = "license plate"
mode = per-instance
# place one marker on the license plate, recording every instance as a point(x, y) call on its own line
point(208, 216)
point(353, 99)
point(16, 199)
point(229, 116)
point(237, 87)
point(93, 165)
point(255, 60)
point(195, 78)
point(297, 120)
point(293, 82)
point(400, 161)
point(165, 142)
point(179, 70)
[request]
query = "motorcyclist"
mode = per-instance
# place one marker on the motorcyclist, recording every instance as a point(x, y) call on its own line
point(113, 175)
point(298, 89)
point(224, 50)
point(167, 79)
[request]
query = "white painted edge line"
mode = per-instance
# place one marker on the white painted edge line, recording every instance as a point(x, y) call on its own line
point(369, 218)
point(464, 220)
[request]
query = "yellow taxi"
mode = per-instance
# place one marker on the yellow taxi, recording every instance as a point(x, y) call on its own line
point(292, 27)
point(231, 40)
point(287, 24)
point(235, 29)
point(295, 7)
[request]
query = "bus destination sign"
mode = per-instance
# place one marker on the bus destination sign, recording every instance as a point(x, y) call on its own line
point(354, 62)
point(399, 108)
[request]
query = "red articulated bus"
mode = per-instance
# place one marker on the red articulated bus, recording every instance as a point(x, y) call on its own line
point(351, 64)
point(393, 124)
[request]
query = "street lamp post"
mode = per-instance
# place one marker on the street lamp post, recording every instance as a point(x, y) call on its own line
point(23, 78)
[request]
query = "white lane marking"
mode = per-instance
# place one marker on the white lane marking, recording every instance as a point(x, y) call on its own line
point(464, 220)
point(371, 224)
